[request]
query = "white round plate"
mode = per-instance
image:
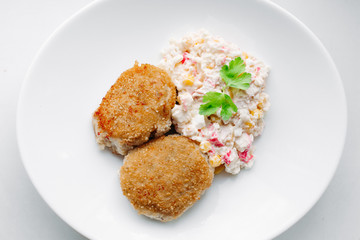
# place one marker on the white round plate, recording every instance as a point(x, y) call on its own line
point(296, 156)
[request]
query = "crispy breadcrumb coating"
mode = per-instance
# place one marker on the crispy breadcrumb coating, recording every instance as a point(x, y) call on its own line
point(135, 108)
point(165, 176)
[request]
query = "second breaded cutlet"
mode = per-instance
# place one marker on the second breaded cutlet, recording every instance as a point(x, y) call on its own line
point(135, 108)
point(165, 176)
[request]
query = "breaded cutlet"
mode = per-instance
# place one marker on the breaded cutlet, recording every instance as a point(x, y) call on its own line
point(165, 176)
point(135, 108)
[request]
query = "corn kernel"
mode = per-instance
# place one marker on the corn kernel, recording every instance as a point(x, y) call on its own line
point(215, 161)
point(200, 41)
point(189, 81)
point(257, 113)
point(249, 124)
point(246, 56)
point(262, 103)
point(219, 169)
point(205, 146)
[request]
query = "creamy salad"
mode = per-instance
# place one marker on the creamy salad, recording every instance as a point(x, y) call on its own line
point(194, 64)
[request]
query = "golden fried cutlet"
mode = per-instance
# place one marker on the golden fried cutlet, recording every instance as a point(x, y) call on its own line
point(165, 176)
point(135, 108)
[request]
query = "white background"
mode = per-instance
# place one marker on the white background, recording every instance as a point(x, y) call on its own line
point(25, 25)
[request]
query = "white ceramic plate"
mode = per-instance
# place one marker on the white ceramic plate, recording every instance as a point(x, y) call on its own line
point(296, 155)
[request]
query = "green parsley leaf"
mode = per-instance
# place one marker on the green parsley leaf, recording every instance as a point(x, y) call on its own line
point(234, 75)
point(212, 96)
point(208, 108)
point(213, 101)
point(227, 107)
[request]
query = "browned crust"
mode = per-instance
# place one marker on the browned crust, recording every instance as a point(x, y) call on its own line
point(138, 104)
point(165, 176)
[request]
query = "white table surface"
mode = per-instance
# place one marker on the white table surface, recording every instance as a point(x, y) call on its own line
point(25, 25)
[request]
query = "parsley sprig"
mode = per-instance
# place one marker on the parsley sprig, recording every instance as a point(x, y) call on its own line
point(233, 75)
point(213, 101)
